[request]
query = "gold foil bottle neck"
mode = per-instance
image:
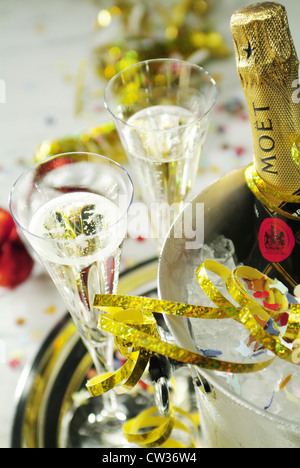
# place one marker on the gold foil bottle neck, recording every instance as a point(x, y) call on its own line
point(263, 43)
point(268, 67)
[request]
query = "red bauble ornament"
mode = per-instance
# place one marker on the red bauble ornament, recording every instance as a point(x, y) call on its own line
point(15, 262)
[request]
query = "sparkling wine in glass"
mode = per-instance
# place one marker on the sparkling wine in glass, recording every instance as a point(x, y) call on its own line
point(72, 210)
point(162, 109)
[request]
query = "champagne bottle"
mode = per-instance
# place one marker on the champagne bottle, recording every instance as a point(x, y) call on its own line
point(268, 68)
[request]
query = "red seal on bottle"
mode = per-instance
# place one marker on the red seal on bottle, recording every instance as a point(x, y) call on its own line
point(276, 240)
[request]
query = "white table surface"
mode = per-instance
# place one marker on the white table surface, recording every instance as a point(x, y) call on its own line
point(41, 45)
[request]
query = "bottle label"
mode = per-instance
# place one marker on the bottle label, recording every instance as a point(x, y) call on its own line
point(276, 240)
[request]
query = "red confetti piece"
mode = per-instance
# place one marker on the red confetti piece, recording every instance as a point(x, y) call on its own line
point(14, 363)
point(284, 320)
point(261, 294)
point(143, 385)
point(273, 307)
point(240, 150)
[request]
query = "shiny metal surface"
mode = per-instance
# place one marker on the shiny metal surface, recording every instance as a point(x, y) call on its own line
point(228, 210)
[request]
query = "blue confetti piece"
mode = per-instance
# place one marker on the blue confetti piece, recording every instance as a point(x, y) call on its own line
point(292, 299)
point(269, 405)
point(211, 353)
point(271, 328)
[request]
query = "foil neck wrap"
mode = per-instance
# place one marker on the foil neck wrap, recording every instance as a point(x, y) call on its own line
point(263, 43)
point(268, 67)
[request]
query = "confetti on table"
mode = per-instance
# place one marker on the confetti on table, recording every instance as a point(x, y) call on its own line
point(14, 363)
point(285, 382)
point(20, 321)
point(39, 28)
point(270, 404)
point(15, 360)
point(240, 150)
point(36, 335)
point(50, 310)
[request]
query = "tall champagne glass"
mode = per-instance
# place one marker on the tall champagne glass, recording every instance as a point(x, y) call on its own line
point(162, 109)
point(72, 210)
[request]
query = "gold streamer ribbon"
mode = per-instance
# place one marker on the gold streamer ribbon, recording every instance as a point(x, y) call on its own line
point(131, 372)
point(103, 139)
point(131, 321)
point(161, 429)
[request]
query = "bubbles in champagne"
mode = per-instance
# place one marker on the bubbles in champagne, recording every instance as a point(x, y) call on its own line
point(77, 226)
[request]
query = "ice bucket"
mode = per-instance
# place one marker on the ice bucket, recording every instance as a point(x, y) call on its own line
point(227, 420)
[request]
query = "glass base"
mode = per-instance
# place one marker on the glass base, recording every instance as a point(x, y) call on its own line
point(88, 424)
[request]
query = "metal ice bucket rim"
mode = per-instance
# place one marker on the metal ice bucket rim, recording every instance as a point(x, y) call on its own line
point(174, 257)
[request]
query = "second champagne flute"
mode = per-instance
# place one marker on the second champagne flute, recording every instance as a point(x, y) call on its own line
point(162, 109)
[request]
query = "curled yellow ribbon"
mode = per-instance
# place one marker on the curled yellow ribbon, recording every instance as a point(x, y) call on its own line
point(131, 321)
point(131, 372)
point(124, 379)
point(160, 429)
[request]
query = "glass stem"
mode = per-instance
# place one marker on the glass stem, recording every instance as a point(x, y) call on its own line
point(104, 362)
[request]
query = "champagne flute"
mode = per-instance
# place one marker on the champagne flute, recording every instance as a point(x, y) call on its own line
point(72, 211)
point(162, 109)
